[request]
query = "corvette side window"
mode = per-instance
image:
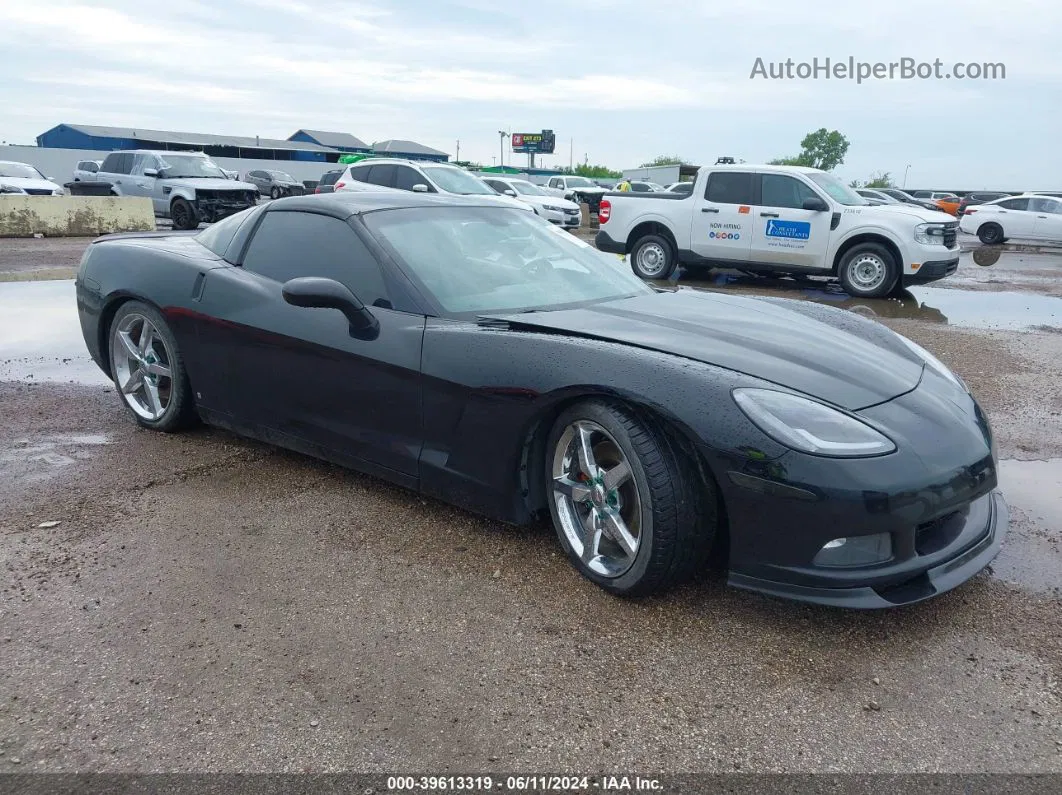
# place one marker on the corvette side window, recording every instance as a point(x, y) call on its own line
point(287, 245)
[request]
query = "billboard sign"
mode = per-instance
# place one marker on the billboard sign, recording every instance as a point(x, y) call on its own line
point(538, 143)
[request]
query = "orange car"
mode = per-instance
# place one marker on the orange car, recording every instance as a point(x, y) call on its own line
point(948, 202)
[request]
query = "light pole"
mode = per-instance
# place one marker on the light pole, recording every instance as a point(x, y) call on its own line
point(905, 175)
point(502, 135)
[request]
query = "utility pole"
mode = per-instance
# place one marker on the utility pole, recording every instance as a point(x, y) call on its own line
point(905, 175)
point(502, 135)
point(457, 157)
point(571, 153)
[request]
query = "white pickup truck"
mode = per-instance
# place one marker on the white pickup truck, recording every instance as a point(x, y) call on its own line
point(781, 220)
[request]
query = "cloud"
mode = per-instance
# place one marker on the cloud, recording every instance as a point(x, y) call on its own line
point(625, 79)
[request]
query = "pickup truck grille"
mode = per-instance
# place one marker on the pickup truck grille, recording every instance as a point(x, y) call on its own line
point(951, 232)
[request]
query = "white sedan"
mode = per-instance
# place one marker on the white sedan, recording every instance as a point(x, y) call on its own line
point(554, 209)
point(1029, 217)
point(24, 178)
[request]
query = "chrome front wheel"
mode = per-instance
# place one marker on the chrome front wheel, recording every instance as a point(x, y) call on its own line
point(596, 499)
point(142, 366)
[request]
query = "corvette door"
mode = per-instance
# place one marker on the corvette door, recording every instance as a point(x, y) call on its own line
point(296, 375)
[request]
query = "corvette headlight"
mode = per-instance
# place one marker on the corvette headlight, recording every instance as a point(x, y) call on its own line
point(933, 362)
point(929, 234)
point(809, 426)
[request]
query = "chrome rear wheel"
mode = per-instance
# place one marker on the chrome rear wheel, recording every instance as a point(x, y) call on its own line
point(142, 363)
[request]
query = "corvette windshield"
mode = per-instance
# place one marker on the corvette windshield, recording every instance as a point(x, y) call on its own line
point(478, 260)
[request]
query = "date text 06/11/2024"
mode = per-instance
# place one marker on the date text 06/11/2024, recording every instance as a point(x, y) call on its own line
point(522, 783)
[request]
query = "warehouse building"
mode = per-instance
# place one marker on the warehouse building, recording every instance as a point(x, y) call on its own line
point(305, 145)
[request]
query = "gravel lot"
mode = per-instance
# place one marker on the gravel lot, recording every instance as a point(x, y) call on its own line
point(211, 604)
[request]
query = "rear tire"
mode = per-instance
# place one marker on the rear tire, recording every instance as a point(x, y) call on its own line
point(868, 270)
point(991, 234)
point(653, 257)
point(641, 487)
point(148, 370)
point(183, 215)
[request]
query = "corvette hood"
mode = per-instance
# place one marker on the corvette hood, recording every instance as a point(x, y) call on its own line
point(828, 353)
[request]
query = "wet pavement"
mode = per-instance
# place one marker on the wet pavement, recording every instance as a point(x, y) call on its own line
point(201, 602)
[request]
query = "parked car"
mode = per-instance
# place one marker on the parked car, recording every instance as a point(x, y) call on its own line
point(554, 209)
point(944, 200)
point(234, 175)
point(876, 196)
point(907, 198)
point(186, 187)
point(86, 170)
point(1029, 216)
point(685, 188)
point(780, 219)
point(643, 186)
point(275, 184)
point(462, 349)
point(26, 179)
point(973, 199)
point(328, 181)
point(580, 190)
point(418, 177)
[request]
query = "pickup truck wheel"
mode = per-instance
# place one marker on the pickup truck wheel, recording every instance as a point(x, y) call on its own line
point(868, 271)
point(990, 234)
point(183, 215)
point(653, 258)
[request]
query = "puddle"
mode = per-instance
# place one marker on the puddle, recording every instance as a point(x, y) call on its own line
point(37, 459)
point(40, 335)
point(1013, 311)
point(1031, 557)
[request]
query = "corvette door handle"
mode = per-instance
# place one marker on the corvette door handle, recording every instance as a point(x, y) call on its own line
point(709, 209)
point(768, 215)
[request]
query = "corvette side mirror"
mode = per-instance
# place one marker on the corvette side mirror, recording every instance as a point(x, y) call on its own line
point(815, 204)
point(318, 293)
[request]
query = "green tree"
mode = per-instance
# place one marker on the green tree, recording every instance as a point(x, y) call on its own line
point(665, 160)
point(880, 180)
point(591, 171)
point(823, 149)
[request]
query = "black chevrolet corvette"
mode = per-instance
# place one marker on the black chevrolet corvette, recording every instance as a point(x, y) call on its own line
point(478, 355)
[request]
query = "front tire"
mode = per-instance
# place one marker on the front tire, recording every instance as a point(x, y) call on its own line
point(625, 505)
point(183, 215)
point(868, 270)
point(275, 193)
point(653, 258)
point(148, 370)
point(991, 234)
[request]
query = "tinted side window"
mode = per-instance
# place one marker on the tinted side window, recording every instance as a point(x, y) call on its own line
point(330, 177)
point(729, 187)
point(1015, 204)
point(778, 190)
point(639, 187)
point(501, 187)
point(406, 178)
point(217, 237)
point(117, 163)
point(279, 252)
point(382, 175)
point(360, 174)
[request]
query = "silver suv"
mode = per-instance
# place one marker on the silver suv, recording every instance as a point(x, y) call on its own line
point(186, 187)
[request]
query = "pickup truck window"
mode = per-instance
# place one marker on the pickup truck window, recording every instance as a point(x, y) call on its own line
point(837, 190)
point(729, 187)
point(779, 190)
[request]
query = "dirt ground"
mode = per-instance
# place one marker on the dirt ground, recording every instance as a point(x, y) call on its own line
point(206, 603)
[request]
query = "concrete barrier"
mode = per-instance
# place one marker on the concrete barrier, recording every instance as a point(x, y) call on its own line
point(73, 216)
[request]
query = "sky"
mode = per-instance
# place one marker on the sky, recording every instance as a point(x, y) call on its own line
point(619, 81)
